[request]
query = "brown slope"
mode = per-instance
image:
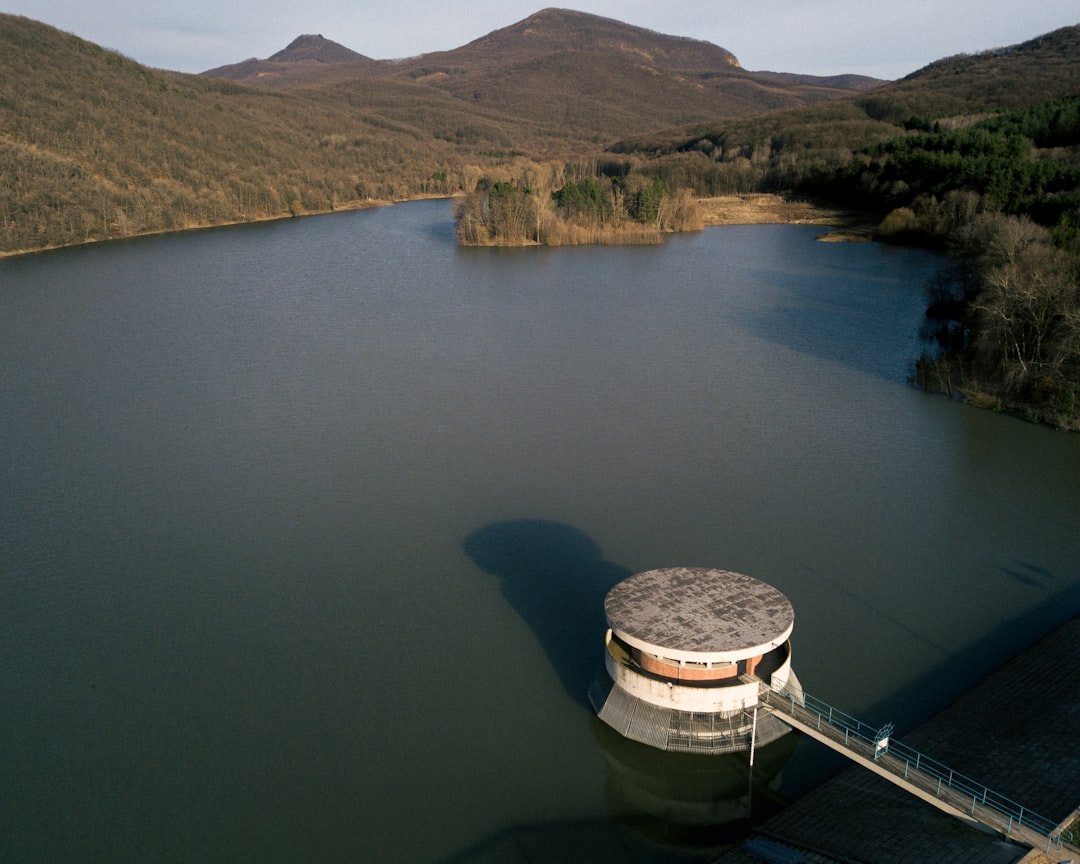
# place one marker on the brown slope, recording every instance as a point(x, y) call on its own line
point(833, 82)
point(316, 49)
point(576, 55)
point(1041, 69)
point(1029, 73)
point(96, 146)
point(570, 77)
point(306, 60)
point(552, 30)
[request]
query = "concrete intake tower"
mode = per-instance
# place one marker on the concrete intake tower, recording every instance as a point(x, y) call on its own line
point(687, 649)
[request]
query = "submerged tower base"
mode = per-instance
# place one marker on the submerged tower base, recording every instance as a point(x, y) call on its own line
point(702, 732)
point(687, 651)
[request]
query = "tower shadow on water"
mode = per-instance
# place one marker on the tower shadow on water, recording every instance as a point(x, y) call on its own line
point(667, 806)
point(555, 577)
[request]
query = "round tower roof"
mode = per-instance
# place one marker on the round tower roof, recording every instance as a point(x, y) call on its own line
point(698, 614)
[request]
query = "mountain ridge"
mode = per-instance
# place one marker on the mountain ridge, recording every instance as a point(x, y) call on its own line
point(97, 146)
point(548, 33)
point(553, 71)
point(317, 48)
point(308, 58)
point(566, 29)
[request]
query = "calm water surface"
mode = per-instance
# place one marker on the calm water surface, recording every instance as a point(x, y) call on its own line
point(306, 529)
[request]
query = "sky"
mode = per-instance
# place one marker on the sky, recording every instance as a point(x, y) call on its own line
point(881, 38)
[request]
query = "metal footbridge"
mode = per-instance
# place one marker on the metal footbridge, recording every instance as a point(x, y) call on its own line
point(911, 770)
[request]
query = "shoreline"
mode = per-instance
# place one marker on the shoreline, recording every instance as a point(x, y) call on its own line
point(757, 208)
point(768, 208)
point(346, 207)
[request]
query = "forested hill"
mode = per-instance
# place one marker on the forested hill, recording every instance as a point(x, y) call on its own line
point(571, 67)
point(307, 58)
point(1000, 125)
point(96, 146)
point(957, 90)
point(573, 75)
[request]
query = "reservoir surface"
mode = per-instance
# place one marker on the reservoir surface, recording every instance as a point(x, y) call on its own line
point(306, 527)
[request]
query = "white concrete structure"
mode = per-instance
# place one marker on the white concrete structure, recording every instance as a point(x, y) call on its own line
point(686, 650)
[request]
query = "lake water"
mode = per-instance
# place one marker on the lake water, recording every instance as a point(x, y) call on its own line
point(306, 528)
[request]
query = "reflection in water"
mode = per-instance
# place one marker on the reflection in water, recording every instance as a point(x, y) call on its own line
point(666, 808)
point(555, 578)
point(686, 801)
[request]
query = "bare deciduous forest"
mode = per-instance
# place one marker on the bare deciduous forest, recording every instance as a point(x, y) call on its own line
point(625, 209)
point(96, 146)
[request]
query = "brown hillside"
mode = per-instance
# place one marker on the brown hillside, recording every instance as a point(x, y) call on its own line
point(1036, 71)
point(840, 82)
point(574, 75)
point(305, 60)
point(95, 146)
point(1040, 69)
point(317, 49)
point(554, 30)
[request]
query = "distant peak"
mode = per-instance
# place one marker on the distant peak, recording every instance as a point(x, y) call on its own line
point(315, 47)
point(567, 29)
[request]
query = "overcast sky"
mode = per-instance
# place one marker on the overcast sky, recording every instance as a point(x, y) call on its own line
point(882, 38)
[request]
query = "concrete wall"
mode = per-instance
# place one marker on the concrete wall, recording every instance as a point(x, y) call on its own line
point(681, 672)
point(670, 695)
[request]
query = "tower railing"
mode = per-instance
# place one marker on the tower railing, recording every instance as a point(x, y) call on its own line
point(912, 767)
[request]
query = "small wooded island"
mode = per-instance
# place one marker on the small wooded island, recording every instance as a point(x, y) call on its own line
point(625, 209)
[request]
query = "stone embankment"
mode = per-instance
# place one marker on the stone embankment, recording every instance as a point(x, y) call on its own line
point(1016, 731)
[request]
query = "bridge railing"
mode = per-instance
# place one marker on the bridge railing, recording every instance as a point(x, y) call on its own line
point(825, 713)
point(913, 766)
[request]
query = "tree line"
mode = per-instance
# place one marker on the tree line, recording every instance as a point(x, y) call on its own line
point(620, 208)
point(1020, 162)
point(1000, 191)
point(1006, 316)
point(1003, 197)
